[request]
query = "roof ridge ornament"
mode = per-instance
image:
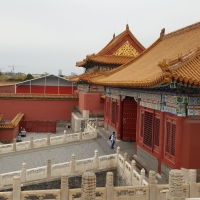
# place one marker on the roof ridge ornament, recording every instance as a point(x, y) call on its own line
point(127, 27)
point(162, 32)
point(113, 35)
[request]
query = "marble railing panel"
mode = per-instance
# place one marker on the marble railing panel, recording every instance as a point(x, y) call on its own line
point(36, 173)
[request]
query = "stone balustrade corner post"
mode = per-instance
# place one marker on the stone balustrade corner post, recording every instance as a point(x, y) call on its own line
point(23, 172)
point(48, 139)
point(64, 190)
point(14, 145)
point(80, 134)
point(142, 175)
point(73, 164)
point(49, 168)
point(31, 143)
point(152, 185)
point(64, 136)
point(88, 190)
point(133, 167)
point(96, 159)
point(16, 188)
point(117, 157)
point(109, 186)
point(175, 185)
point(192, 183)
point(125, 159)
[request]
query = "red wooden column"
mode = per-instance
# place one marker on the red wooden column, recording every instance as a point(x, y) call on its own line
point(178, 146)
point(138, 124)
point(161, 141)
point(119, 129)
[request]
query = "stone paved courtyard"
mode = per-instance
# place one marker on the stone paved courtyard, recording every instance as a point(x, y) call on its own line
point(39, 157)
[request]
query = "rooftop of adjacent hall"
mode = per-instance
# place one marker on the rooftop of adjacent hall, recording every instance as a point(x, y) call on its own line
point(172, 56)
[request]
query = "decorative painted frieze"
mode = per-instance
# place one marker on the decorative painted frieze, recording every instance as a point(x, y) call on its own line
point(149, 96)
point(149, 104)
point(83, 87)
point(98, 88)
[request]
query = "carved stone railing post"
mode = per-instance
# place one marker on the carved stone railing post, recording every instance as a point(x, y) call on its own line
point(64, 191)
point(49, 168)
point(142, 175)
point(117, 157)
point(64, 136)
point(88, 186)
point(152, 185)
point(133, 167)
point(109, 186)
point(31, 143)
point(48, 138)
point(16, 188)
point(125, 159)
point(96, 159)
point(14, 144)
point(96, 123)
point(192, 183)
point(73, 164)
point(95, 131)
point(80, 134)
point(175, 185)
point(23, 172)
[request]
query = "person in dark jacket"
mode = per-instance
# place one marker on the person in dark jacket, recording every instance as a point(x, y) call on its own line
point(112, 140)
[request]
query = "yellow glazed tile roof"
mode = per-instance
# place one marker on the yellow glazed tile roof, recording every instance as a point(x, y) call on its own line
point(106, 59)
point(101, 56)
point(37, 96)
point(13, 123)
point(90, 76)
point(177, 50)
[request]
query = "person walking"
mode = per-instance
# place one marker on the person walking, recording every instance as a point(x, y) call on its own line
point(112, 140)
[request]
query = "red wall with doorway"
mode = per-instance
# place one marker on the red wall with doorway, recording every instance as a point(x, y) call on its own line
point(7, 89)
point(37, 109)
point(90, 101)
point(40, 89)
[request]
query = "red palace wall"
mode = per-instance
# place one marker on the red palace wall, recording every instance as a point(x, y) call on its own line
point(90, 101)
point(37, 109)
point(7, 89)
point(8, 134)
point(45, 89)
point(185, 142)
point(190, 144)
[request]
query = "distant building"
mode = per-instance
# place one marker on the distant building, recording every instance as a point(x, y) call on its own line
point(60, 72)
point(73, 73)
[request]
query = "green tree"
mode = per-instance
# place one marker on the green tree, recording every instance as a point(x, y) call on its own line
point(28, 77)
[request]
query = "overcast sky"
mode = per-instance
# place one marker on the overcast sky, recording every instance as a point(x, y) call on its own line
point(48, 35)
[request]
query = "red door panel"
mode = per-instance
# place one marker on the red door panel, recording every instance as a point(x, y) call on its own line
point(129, 119)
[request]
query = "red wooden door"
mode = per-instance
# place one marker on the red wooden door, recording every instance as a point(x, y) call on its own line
point(129, 119)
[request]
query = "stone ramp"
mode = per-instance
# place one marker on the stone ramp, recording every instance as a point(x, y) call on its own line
point(59, 154)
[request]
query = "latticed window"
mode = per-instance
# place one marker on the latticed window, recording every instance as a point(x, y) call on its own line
point(156, 133)
point(170, 138)
point(142, 125)
point(113, 112)
point(150, 130)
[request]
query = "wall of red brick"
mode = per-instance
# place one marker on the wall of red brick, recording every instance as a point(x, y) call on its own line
point(7, 89)
point(190, 144)
point(45, 89)
point(37, 109)
point(9, 134)
point(90, 101)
